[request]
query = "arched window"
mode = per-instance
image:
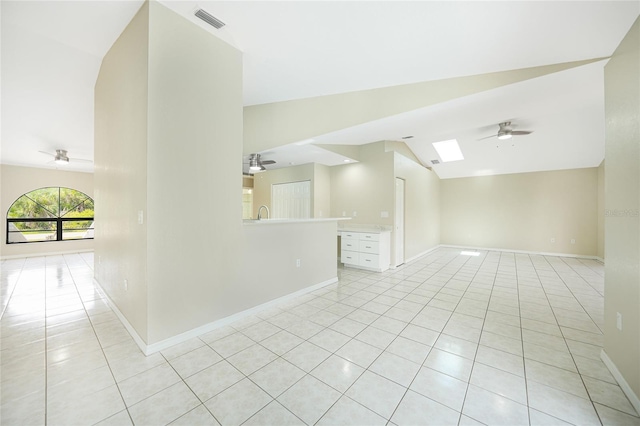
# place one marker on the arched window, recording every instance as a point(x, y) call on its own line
point(50, 214)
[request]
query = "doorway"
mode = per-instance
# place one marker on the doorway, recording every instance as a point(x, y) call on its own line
point(399, 221)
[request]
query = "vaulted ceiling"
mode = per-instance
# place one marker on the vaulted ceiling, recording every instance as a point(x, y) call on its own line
point(52, 50)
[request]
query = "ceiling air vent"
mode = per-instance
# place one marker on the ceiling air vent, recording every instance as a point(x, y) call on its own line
point(209, 19)
point(435, 161)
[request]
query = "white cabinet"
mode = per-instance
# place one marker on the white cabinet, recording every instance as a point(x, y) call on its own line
point(366, 250)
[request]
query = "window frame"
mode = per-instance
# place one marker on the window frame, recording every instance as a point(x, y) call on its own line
point(58, 220)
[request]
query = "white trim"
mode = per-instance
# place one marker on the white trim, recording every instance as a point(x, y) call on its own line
point(633, 398)
point(599, 258)
point(132, 331)
point(49, 253)
point(542, 253)
point(417, 256)
point(183, 337)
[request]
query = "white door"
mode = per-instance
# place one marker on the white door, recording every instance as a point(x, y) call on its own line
point(399, 228)
point(291, 200)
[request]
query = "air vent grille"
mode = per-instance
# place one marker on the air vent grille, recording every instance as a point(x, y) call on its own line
point(435, 161)
point(209, 19)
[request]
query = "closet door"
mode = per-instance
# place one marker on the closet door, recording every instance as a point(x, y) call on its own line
point(291, 200)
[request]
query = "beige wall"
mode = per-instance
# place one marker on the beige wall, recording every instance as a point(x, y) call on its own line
point(321, 191)
point(269, 262)
point(168, 100)
point(421, 206)
point(368, 189)
point(523, 211)
point(262, 183)
point(120, 152)
point(319, 175)
point(622, 204)
point(195, 115)
point(15, 181)
point(601, 208)
point(271, 125)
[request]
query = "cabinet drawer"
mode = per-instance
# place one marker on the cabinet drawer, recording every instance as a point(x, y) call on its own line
point(349, 245)
point(369, 237)
point(369, 260)
point(372, 247)
point(349, 235)
point(350, 257)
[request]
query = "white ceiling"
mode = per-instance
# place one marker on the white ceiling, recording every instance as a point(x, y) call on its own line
point(51, 53)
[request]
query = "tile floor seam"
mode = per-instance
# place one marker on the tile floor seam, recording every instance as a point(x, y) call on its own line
point(438, 278)
point(590, 286)
point(422, 365)
point(484, 320)
point(188, 387)
point(568, 348)
point(100, 343)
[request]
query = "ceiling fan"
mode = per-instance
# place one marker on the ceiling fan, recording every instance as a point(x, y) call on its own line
point(506, 132)
point(256, 164)
point(60, 157)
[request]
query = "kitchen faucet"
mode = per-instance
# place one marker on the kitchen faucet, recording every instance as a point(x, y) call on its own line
point(260, 212)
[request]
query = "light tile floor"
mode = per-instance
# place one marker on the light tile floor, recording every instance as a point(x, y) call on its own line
point(448, 339)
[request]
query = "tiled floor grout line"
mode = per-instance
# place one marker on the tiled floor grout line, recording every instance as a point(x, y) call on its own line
point(571, 353)
point(464, 399)
point(574, 296)
point(427, 355)
point(526, 384)
point(354, 337)
point(579, 301)
point(13, 289)
point(568, 348)
point(84, 308)
point(46, 348)
point(398, 286)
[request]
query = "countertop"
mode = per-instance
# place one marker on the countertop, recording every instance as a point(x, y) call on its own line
point(363, 227)
point(251, 222)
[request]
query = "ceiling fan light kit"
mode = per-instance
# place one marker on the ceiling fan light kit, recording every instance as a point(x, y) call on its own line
point(61, 157)
point(257, 165)
point(506, 132)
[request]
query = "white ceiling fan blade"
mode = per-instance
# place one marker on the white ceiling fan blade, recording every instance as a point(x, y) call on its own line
point(521, 132)
point(487, 137)
point(48, 153)
point(80, 160)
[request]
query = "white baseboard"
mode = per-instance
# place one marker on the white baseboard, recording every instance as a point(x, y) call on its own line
point(417, 256)
point(541, 253)
point(183, 337)
point(49, 253)
point(132, 331)
point(633, 398)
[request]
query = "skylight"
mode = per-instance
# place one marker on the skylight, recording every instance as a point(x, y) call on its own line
point(448, 150)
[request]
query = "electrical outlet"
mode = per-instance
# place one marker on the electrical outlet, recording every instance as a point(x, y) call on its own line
point(384, 214)
point(619, 321)
point(355, 213)
point(297, 263)
point(344, 213)
point(573, 241)
point(553, 241)
point(140, 217)
point(126, 285)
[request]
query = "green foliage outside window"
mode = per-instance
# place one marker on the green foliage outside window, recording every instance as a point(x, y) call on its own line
point(54, 205)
